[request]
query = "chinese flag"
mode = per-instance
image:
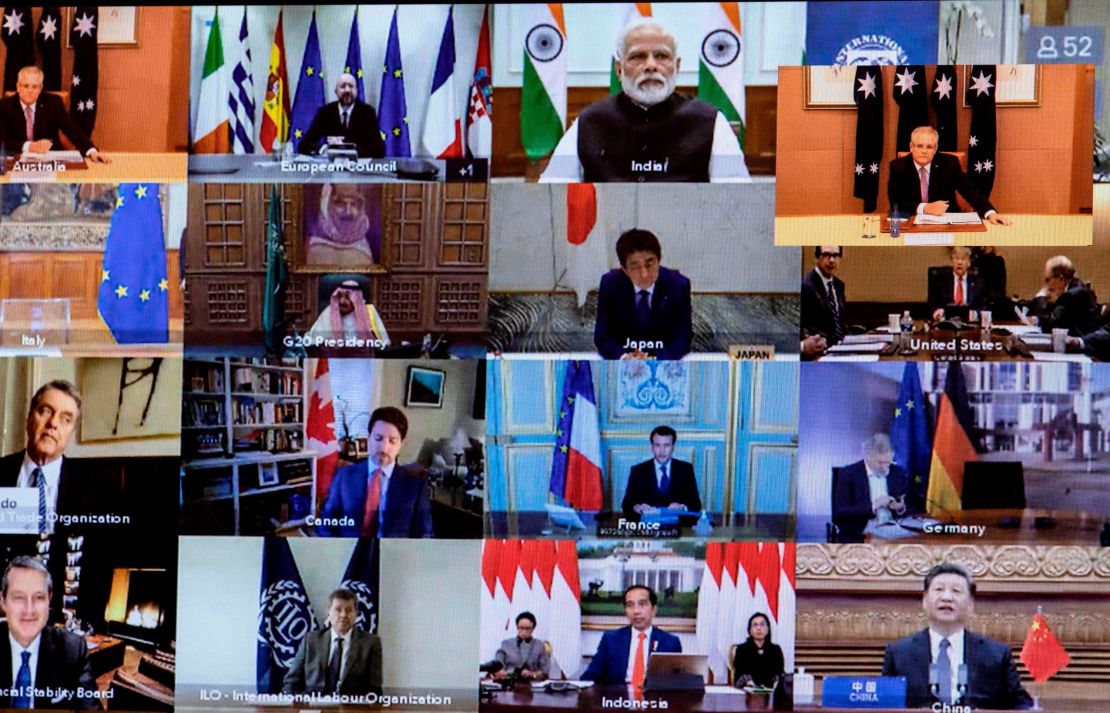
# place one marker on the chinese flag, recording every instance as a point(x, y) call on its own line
point(1042, 654)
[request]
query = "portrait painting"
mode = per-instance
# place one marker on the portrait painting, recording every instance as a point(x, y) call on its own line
point(342, 228)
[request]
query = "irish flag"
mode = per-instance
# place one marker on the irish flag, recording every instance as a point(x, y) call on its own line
point(627, 13)
point(543, 98)
point(212, 128)
point(952, 446)
point(721, 62)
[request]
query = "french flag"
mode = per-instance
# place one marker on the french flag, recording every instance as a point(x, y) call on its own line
point(442, 123)
point(576, 469)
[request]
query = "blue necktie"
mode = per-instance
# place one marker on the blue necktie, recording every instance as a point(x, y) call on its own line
point(665, 481)
point(944, 672)
point(23, 682)
point(39, 479)
point(643, 308)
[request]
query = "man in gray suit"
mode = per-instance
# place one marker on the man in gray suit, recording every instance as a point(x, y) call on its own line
point(340, 659)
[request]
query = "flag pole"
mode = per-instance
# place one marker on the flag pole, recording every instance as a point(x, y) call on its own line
point(1038, 688)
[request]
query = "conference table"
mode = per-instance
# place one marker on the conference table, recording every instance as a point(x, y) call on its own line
point(124, 168)
point(1027, 229)
point(1004, 342)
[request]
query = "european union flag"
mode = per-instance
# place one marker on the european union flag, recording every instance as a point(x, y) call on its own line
point(909, 434)
point(393, 113)
point(134, 291)
point(361, 578)
point(310, 88)
point(284, 614)
point(353, 65)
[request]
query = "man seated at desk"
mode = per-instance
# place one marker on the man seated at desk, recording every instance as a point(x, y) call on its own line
point(348, 315)
point(926, 182)
point(823, 300)
point(647, 132)
point(622, 655)
point(661, 482)
point(870, 493)
point(30, 121)
point(346, 120)
point(955, 287)
point(644, 310)
point(1064, 302)
point(338, 660)
point(1096, 343)
point(932, 659)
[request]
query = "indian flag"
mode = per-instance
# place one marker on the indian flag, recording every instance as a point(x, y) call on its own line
point(721, 63)
point(543, 100)
point(628, 12)
point(212, 128)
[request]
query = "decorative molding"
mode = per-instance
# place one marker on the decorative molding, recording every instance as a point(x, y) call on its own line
point(53, 238)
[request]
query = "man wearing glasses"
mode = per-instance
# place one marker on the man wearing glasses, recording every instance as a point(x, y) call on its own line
point(926, 182)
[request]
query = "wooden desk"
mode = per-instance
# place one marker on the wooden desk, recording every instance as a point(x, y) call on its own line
point(124, 168)
point(1028, 229)
point(912, 226)
point(593, 697)
point(1002, 527)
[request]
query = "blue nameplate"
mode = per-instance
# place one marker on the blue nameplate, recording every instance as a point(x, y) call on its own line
point(864, 692)
point(666, 518)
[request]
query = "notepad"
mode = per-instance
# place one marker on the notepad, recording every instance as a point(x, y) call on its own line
point(948, 219)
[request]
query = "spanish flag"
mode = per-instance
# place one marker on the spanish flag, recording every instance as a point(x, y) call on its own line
point(952, 446)
point(275, 107)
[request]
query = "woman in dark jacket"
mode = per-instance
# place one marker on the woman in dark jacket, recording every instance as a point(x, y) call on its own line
point(758, 662)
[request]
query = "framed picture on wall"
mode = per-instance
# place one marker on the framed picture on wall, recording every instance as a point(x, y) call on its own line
point(831, 87)
point(1018, 84)
point(341, 229)
point(424, 387)
point(129, 398)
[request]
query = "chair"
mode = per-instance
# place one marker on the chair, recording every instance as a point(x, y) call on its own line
point(994, 485)
point(732, 664)
point(960, 155)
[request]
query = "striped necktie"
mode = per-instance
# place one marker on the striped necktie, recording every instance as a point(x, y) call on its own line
point(39, 481)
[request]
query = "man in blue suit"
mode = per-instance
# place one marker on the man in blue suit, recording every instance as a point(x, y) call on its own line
point(870, 492)
point(661, 482)
point(932, 659)
point(622, 655)
point(643, 309)
point(377, 497)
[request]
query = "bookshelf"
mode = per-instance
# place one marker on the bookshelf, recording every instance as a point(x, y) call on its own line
point(245, 468)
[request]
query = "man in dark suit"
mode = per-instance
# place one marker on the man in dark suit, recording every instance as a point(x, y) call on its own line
point(1064, 302)
point(823, 297)
point(377, 497)
point(662, 481)
point(643, 309)
point(926, 182)
point(30, 121)
point(870, 492)
point(37, 657)
point(339, 660)
point(939, 652)
point(622, 654)
point(1096, 343)
point(955, 287)
point(346, 120)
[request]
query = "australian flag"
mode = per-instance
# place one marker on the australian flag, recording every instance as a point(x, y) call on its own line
point(393, 113)
point(18, 33)
point(353, 65)
point(869, 134)
point(981, 87)
point(913, 106)
point(361, 578)
point(86, 71)
point(49, 39)
point(909, 434)
point(943, 98)
point(284, 614)
point(310, 88)
point(134, 289)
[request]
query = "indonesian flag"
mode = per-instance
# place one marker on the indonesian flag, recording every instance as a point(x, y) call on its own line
point(275, 106)
point(543, 98)
point(442, 123)
point(721, 63)
point(952, 446)
point(576, 465)
point(320, 429)
point(627, 13)
point(212, 128)
point(479, 117)
point(585, 240)
point(1042, 654)
point(566, 609)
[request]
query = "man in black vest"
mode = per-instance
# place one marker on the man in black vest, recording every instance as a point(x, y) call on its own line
point(647, 132)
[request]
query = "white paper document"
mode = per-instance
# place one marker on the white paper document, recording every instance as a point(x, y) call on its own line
point(63, 156)
point(865, 347)
point(948, 219)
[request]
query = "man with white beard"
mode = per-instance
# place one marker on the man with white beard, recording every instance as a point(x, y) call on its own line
point(647, 132)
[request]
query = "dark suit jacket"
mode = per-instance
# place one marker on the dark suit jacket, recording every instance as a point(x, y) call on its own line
point(408, 507)
point(946, 179)
point(670, 319)
point(644, 488)
point(942, 290)
point(51, 118)
point(362, 665)
point(817, 313)
point(362, 130)
point(992, 679)
point(1075, 310)
point(63, 663)
point(851, 499)
point(75, 496)
point(610, 662)
point(1097, 343)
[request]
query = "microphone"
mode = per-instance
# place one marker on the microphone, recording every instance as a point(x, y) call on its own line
point(961, 682)
point(934, 683)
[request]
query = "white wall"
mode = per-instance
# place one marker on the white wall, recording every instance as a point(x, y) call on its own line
point(720, 236)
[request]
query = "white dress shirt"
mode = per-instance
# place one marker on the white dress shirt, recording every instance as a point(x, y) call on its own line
point(928, 173)
point(659, 473)
point(632, 651)
point(27, 144)
point(387, 473)
point(955, 656)
point(17, 659)
point(53, 473)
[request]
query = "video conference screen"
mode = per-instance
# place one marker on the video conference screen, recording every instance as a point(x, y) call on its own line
point(497, 358)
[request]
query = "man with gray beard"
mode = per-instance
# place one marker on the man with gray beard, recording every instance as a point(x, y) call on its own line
point(647, 132)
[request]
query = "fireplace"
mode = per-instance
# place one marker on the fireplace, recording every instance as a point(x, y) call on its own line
point(137, 602)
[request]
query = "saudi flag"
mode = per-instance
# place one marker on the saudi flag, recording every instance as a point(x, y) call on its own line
point(543, 100)
point(627, 13)
point(212, 128)
point(721, 64)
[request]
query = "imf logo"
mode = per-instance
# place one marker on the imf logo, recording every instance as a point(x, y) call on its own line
point(871, 49)
point(285, 619)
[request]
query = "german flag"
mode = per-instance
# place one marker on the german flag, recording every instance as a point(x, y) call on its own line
point(952, 446)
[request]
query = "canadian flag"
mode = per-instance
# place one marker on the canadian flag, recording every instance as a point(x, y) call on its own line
point(320, 430)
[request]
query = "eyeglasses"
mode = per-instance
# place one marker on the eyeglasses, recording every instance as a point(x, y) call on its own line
point(830, 254)
point(927, 147)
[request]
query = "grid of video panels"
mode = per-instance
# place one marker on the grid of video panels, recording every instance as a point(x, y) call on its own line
point(485, 357)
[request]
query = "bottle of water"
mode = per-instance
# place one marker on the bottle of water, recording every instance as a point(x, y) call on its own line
point(906, 324)
point(895, 225)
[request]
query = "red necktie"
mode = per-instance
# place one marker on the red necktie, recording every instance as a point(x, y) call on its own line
point(959, 290)
point(373, 497)
point(29, 116)
point(638, 664)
